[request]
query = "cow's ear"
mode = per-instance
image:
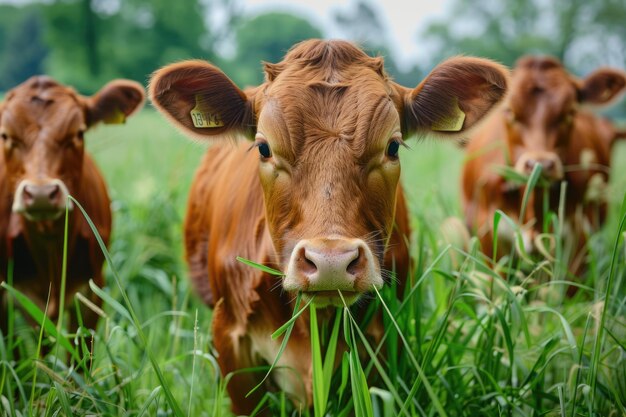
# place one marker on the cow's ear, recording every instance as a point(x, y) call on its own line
point(454, 96)
point(115, 102)
point(202, 100)
point(602, 86)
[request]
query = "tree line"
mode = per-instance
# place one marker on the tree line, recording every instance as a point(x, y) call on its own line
point(87, 42)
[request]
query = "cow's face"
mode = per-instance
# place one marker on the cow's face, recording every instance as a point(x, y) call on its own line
point(329, 168)
point(542, 107)
point(42, 125)
point(328, 125)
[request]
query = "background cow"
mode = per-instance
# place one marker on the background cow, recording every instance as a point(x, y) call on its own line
point(318, 198)
point(543, 122)
point(42, 125)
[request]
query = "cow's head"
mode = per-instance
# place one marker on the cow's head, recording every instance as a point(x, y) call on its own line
point(42, 125)
point(542, 106)
point(328, 124)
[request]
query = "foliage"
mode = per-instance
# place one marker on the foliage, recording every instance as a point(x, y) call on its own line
point(130, 40)
point(85, 43)
point(362, 23)
point(21, 45)
point(267, 37)
point(582, 34)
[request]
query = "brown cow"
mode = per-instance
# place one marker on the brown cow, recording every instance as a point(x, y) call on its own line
point(43, 160)
point(317, 198)
point(543, 122)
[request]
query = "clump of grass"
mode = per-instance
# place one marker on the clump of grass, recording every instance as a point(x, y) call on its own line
point(135, 363)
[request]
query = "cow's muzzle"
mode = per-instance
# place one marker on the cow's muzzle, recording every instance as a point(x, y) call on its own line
point(43, 200)
point(551, 165)
point(322, 267)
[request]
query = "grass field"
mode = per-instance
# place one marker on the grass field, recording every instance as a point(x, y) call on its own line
point(469, 343)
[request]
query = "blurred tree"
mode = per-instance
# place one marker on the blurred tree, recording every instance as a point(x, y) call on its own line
point(150, 33)
point(90, 30)
point(582, 34)
point(93, 41)
point(362, 24)
point(266, 37)
point(22, 50)
point(605, 34)
point(507, 29)
point(74, 56)
point(499, 29)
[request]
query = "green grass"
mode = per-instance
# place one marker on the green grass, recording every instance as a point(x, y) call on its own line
point(468, 342)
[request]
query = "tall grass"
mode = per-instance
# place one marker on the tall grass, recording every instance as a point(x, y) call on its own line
point(461, 341)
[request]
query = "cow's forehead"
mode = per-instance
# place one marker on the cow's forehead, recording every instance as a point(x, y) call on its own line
point(362, 115)
point(327, 75)
point(552, 79)
point(45, 105)
point(553, 86)
point(349, 101)
point(44, 90)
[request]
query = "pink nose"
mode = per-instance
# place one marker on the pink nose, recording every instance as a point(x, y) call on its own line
point(551, 167)
point(40, 200)
point(330, 265)
point(41, 197)
point(317, 263)
point(546, 164)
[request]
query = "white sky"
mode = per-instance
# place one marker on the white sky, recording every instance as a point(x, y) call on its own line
point(403, 19)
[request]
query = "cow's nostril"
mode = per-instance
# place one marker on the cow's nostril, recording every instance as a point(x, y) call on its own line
point(530, 164)
point(355, 265)
point(28, 195)
point(54, 192)
point(310, 264)
point(548, 164)
point(307, 265)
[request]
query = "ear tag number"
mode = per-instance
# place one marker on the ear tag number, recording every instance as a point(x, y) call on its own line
point(117, 117)
point(452, 122)
point(202, 119)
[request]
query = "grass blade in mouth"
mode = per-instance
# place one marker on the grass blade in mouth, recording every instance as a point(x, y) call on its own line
point(260, 267)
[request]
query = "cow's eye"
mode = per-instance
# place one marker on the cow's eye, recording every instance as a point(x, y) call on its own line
point(4, 136)
point(392, 149)
point(81, 134)
point(264, 149)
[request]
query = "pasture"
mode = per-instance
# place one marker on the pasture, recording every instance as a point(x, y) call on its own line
point(468, 342)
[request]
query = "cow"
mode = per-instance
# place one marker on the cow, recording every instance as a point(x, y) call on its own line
point(43, 161)
point(544, 121)
point(303, 175)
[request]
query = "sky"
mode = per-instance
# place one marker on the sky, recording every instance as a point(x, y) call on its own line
point(403, 19)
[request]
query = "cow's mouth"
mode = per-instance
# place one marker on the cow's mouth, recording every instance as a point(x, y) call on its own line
point(331, 297)
point(43, 214)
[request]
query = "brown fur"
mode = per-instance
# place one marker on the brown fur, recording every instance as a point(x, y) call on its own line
point(42, 123)
point(328, 112)
point(543, 117)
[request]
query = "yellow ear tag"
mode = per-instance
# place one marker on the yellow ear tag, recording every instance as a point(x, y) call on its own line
point(202, 119)
point(451, 123)
point(117, 117)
